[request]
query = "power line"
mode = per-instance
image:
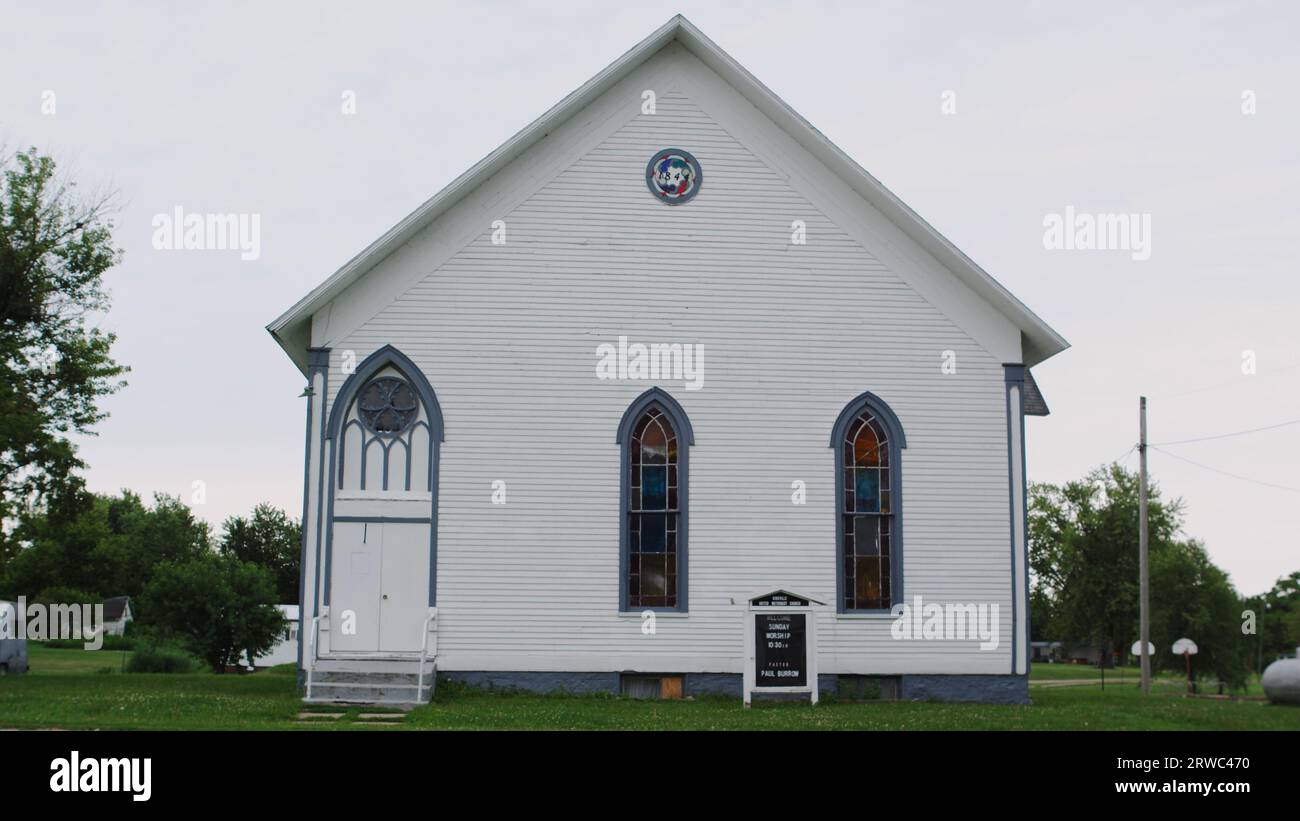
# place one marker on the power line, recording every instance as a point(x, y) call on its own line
point(1227, 435)
point(1225, 473)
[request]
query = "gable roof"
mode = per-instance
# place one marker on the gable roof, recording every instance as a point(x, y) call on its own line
point(293, 328)
point(116, 607)
point(763, 594)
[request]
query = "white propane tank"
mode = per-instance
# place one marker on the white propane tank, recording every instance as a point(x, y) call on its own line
point(1281, 681)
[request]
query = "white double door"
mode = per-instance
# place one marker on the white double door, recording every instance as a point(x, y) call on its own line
point(379, 586)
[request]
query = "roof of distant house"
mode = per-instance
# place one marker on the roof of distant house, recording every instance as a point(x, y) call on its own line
point(115, 607)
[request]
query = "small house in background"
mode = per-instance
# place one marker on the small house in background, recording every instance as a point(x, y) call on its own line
point(286, 650)
point(117, 612)
point(1046, 651)
point(1088, 654)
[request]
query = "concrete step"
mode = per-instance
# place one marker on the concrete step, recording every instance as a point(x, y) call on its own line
point(373, 665)
point(328, 702)
point(386, 682)
point(357, 677)
point(366, 693)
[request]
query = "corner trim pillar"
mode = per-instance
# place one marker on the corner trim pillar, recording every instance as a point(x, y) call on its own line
point(318, 360)
point(1017, 485)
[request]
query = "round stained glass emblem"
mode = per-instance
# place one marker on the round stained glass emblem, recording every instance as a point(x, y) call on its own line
point(673, 176)
point(388, 406)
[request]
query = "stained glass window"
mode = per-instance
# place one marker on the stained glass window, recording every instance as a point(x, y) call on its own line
point(388, 405)
point(674, 176)
point(867, 515)
point(652, 512)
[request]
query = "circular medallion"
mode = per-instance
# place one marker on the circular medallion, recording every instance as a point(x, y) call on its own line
point(388, 406)
point(673, 176)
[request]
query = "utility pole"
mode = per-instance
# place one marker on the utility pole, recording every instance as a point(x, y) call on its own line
point(1144, 579)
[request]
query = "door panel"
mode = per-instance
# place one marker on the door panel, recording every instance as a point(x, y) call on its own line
point(405, 583)
point(355, 587)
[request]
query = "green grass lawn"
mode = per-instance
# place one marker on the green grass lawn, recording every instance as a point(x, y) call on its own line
point(1046, 674)
point(45, 661)
point(65, 690)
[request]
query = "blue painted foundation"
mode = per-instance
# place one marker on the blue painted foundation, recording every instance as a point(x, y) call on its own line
point(535, 682)
point(713, 684)
point(1005, 689)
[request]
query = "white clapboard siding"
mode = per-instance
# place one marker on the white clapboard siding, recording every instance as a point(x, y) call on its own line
point(507, 336)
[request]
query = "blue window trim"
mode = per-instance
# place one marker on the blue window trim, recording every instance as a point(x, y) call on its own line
point(655, 398)
point(897, 442)
point(371, 365)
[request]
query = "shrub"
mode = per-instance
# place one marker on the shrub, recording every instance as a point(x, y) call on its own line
point(161, 659)
point(220, 607)
point(116, 643)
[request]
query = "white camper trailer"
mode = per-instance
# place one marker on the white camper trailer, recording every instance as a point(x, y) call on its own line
point(13, 648)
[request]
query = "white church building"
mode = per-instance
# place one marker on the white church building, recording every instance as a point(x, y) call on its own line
point(665, 348)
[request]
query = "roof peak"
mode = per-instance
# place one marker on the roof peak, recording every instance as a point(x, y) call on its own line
point(1039, 341)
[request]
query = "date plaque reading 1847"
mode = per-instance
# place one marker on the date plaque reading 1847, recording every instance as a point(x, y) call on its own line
point(780, 649)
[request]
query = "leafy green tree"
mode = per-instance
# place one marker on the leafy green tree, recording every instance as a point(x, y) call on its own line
point(54, 364)
point(142, 538)
point(104, 545)
point(1083, 539)
point(1193, 598)
point(270, 539)
point(66, 595)
point(1277, 620)
point(1041, 621)
point(220, 608)
point(54, 543)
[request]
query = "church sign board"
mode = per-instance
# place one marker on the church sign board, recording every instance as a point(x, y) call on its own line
point(780, 645)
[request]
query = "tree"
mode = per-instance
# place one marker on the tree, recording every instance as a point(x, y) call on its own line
point(142, 538)
point(105, 545)
point(1083, 540)
point(1278, 614)
point(1041, 621)
point(54, 366)
point(270, 539)
point(66, 595)
point(1193, 598)
point(219, 607)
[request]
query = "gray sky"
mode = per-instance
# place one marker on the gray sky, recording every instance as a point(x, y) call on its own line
point(1107, 108)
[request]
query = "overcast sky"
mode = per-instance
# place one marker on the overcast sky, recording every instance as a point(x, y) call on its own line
point(1105, 107)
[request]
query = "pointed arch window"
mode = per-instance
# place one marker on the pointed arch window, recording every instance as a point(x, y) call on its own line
point(655, 436)
point(867, 439)
point(382, 441)
point(386, 426)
